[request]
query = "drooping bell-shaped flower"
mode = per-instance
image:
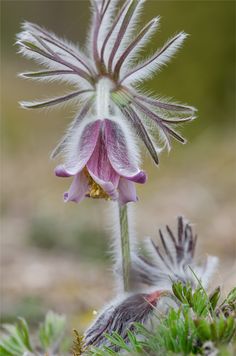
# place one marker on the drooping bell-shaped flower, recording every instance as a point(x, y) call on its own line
point(102, 163)
point(104, 78)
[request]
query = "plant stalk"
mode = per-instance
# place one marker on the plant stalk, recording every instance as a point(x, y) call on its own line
point(125, 246)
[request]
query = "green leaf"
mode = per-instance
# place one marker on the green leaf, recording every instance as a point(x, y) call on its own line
point(203, 329)
point(231, 298)
point(177, 289)
point(230, 330)
point(17, 340)
point(117, 340)
point(51, 330)
point(214, 331)
point(214, 298)
point(221, 326)
point(23, 331)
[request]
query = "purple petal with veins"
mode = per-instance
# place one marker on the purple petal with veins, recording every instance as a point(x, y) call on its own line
point(127, 191)
point(78, 189)
point(83, 148)
point(101, 170)
point(119, 153)
point(102, 149)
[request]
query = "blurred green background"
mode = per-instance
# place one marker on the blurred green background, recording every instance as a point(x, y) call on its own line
point(55, 255)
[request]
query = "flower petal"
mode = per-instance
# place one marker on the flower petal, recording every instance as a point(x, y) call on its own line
point(101, 170)
point(120, 156)
point(78, 189)
point(74, 125)
point(60, 171)
point(127, 191)
point(81, 146)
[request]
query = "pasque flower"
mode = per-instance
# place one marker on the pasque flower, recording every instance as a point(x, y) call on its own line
point(106, 166)
point(113, 111)
point(166, 263)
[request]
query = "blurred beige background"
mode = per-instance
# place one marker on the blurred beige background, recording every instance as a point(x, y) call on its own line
point(55, 255)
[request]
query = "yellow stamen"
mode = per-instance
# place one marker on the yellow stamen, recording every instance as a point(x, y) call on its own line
point(95, 190)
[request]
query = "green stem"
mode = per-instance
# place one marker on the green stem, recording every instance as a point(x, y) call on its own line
point(125, 246)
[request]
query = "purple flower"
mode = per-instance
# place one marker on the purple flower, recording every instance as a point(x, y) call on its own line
point(104, 79)
point(102, 164)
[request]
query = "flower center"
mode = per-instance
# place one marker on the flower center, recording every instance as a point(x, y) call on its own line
point(95, 190)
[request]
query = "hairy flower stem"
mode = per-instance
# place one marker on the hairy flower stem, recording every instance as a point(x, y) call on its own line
point(125, 246)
